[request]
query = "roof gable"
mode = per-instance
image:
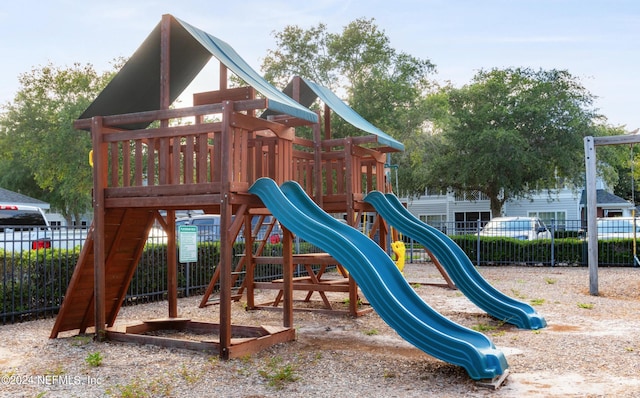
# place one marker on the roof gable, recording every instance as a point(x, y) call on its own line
point(310, 91)
point(136, 87)
point(604, 197)
point(11, 197)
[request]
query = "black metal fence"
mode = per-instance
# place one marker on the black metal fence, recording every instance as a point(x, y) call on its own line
point(33, 282)
point(561, 243)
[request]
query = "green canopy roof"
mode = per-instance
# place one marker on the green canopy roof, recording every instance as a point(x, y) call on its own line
point(136, 87)
point(310, 91)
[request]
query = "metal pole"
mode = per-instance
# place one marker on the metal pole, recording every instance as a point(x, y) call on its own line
point(478, 243)
point(553, 237)
point(592, 209)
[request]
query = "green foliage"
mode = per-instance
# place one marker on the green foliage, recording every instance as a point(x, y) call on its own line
point(35, 279)
point(94, 359)
point(141, 387)
point(537, 301)
point(510, 133)
point(41, 154)
point(278, 374)
point(566, 251)
point(385, 86)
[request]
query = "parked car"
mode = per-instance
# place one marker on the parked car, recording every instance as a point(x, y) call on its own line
point(618, 228)
point(522, 228)
point(27, 228)
point(209, 227)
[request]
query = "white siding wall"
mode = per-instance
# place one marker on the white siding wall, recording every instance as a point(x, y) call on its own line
point(565, 200)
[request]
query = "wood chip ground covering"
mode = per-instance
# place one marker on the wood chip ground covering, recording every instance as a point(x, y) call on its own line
point(591, 348)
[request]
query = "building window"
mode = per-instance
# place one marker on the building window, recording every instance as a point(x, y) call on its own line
point(558, 218)
point(438, 221)
point(467, 223)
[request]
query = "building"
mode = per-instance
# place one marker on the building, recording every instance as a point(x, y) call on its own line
point(565, 208)
point(8, 197)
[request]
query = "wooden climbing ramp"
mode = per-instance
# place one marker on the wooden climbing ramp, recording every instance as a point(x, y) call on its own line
point(124, 237)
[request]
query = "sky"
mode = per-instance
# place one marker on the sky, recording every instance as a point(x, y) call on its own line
point(598, 42)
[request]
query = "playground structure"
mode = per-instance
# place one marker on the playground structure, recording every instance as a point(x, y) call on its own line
point(241, 158)
point(145, 163)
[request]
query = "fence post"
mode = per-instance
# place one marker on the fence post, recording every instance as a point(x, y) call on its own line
point(478, 243)
point(188, 271)
point(411, 250)
point(553, 239)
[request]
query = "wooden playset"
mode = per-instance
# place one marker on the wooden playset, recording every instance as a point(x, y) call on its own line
point(148, 162)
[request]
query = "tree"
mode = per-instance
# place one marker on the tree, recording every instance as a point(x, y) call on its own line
point(384, 86)
point(510, 133)
point(40, 152)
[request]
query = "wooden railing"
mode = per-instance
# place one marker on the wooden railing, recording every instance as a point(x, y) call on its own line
point(348, 170)
point(207, 157)
point(225, 149)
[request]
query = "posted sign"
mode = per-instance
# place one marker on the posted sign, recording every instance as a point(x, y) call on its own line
point(188, 238)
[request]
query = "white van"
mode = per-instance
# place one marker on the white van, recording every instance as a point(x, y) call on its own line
point(521, 228)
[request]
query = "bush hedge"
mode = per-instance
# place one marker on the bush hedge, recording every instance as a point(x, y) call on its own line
point(34, 282)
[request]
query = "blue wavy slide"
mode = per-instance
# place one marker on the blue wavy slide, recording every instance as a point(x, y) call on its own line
point(381, 282)
point(457, 264)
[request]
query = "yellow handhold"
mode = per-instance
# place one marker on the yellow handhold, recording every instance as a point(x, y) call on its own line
point(399, 250)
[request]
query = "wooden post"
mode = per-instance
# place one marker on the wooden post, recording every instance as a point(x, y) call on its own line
point(250, 262)
point(223, 77)
point(100, 175)
point(226, 241)
point(317, 162)
point(165, 102)
point(165, 63)
point(172, 265)
point(287, 277)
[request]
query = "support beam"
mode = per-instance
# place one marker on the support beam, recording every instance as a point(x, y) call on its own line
point(590, 144)
point(100, 175)
point(592, 208)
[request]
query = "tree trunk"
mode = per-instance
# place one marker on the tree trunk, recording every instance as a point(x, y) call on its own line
point(496, 206)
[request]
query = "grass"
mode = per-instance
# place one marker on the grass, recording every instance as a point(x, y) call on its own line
point(80, 340)
point(371, 332)
point(278, 374)
point(586, 306)
point(190, 375)
point(94, 359)
point(139, 388)
point(538, 301)
point(484, 327)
